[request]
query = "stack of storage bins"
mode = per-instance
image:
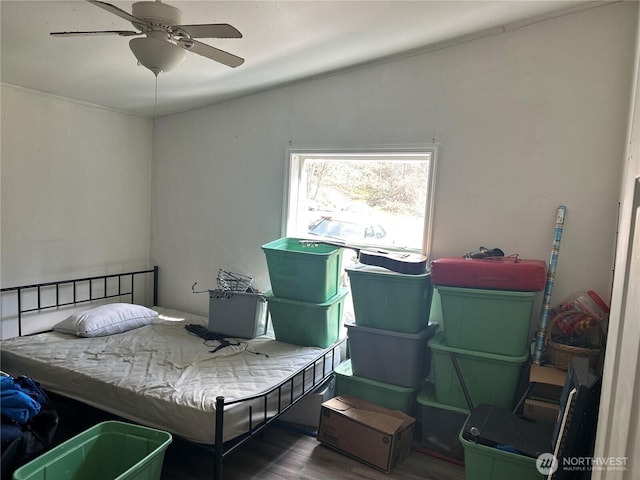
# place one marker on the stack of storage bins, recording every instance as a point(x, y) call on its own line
point(388, 342)
point(305, 302)
point(486, 331)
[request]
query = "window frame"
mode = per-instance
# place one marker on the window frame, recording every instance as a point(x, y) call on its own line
point(292, 177)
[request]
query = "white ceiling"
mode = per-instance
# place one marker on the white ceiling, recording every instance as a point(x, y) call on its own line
point(283, 42)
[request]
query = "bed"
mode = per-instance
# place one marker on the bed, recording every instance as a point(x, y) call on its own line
point(160, 374)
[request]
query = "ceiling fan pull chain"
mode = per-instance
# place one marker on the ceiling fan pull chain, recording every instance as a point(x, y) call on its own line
point(155, 103)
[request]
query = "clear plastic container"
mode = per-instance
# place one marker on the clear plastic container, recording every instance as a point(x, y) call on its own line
point(585, 301)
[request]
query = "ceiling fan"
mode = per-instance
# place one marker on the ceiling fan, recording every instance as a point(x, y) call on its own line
point(166, 41)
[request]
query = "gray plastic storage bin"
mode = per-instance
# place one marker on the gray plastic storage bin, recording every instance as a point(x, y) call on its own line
point(391, 357)
point(237, 314)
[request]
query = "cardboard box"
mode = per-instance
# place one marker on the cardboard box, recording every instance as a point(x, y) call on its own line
point(546, 392)
point(373, 434)
point(541, 411)
point(548, 375)
point(307, 411)
point(546, 383)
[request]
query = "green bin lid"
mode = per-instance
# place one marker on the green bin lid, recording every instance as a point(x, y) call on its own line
point(345, 370)
point(342, 292)
point(485, 293)
point(439, 344)
point(427, 398)
point(371, 271)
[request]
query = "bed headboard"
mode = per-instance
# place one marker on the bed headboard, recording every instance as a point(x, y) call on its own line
point(63, 293)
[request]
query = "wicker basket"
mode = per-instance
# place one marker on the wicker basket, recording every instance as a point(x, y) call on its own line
point(560, 354)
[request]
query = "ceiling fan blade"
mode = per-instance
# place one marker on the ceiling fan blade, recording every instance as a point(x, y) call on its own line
point(118, 11)
point(122, 33)
point(211, 52)
point(211, 30)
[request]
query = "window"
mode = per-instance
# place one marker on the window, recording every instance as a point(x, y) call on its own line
point(365, 197)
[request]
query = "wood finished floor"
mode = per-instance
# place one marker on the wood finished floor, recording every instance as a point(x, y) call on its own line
point(281, 452)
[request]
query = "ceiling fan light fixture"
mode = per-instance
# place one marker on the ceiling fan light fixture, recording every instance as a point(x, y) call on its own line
point(157, 55)
point(166, 40)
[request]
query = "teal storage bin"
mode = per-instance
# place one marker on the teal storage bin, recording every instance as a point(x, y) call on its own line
point(107, 451)
point(486, 463)
point(492, 321)
point(299, 271)
point(387, 395)
point(389, 300)
point(305, 323)
point(490, 378)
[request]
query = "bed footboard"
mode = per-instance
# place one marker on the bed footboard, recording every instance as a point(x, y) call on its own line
point(327, 364)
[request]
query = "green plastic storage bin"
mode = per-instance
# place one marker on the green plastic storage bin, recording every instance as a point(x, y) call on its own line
point(492, 321)
point(486, 463)
point(490, 378)
point(305, 323)
point(440, 424)
point(387, 395)
point(107, 451)
point(299, 271)
point(389, 300)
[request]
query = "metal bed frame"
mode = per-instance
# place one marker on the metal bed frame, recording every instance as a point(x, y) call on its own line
point(43, 304)
point(126, 288)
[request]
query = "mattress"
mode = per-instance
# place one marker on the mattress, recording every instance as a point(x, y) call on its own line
point(162, 376)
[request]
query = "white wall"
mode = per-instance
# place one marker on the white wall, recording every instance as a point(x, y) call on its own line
point(619, 418)
point(527, 120)
point(76, 185)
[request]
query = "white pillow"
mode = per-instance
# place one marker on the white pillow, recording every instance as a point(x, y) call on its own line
point(107, 320)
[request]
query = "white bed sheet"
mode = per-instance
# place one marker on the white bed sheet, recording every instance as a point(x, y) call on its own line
point(162, 376)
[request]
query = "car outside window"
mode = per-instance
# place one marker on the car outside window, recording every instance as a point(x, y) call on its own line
point(374, 196)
